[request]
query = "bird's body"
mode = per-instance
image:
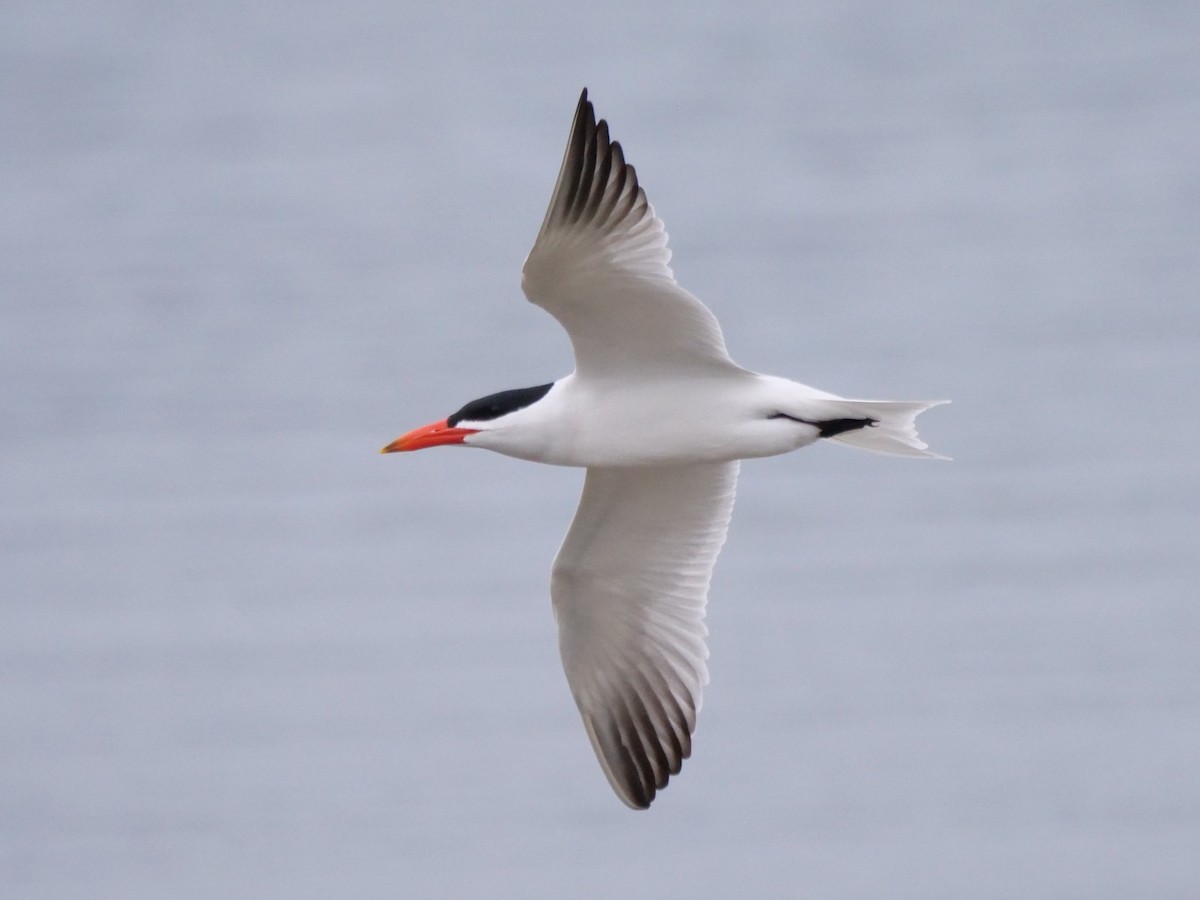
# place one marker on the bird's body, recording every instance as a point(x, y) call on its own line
point(700, 417)
point(659, 415)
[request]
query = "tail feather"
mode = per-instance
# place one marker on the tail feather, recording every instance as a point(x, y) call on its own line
point(894, 431)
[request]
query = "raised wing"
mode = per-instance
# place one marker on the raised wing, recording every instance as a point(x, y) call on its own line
point(629, 588)
point(600, 266)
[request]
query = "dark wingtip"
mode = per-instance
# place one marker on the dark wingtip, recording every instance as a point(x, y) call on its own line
point(832, 427)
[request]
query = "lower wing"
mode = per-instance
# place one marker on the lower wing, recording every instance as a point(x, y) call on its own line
point(629, 588)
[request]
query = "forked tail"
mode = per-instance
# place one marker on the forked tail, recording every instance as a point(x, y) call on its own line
point(893, 429)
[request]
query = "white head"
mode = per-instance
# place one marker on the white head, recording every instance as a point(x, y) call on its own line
point(481, 423)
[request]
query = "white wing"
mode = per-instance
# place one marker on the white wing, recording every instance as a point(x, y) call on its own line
point(629, 588)
point(600, 266)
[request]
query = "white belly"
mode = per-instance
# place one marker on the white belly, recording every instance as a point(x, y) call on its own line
point(666, 423)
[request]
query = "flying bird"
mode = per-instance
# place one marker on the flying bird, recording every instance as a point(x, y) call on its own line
point(659, 416)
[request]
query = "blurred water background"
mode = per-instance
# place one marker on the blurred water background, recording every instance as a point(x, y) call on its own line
point(242, 246)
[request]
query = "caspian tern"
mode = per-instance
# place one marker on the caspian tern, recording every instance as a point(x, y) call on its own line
point(659, 415)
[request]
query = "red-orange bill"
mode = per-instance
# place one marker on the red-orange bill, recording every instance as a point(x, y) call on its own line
point(428, 436)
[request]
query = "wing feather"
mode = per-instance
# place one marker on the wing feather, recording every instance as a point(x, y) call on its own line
point(600, 265)
point(629, 588)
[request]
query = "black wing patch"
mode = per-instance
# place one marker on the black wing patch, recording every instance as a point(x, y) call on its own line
point(595, 184)
point(493, 406)
point(830, 427)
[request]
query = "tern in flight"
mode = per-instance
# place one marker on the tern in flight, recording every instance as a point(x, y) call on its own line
point(659, 416)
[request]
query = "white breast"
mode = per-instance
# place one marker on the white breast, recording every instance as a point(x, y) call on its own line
point(611, 422)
